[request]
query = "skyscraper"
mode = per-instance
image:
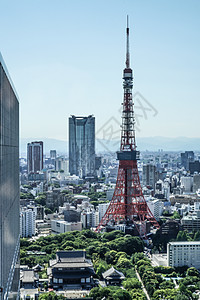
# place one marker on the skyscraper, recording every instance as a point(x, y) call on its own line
point(9, 186)
point(149, 175)
point(35, 157)
point(186, 158)
point(82, 146)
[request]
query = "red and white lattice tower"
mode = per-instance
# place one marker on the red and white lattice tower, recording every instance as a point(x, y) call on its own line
point(128, 204)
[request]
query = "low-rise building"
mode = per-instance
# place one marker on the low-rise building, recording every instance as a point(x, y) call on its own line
point(28, 279)
point(191, 222)
point(61, 226)
point(113, 277)
point(72, 270)
point(183, 254)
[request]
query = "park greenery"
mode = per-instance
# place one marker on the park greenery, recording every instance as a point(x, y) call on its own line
point(105, 250)
point(165, 282)
point(125, 253)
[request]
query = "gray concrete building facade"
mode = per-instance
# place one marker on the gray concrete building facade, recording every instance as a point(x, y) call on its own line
point(9, 186)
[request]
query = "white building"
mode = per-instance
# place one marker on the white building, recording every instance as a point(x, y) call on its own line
point(27, 223)
point(61, 226)
point(156, 207)
point(109, 193)
point(102, 210)
point(183, 254)
point(90, 218)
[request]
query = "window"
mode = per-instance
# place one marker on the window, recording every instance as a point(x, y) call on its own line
point(87, 279)
point(82, 280)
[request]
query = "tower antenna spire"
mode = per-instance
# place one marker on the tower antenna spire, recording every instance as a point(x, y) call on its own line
point(127, 46)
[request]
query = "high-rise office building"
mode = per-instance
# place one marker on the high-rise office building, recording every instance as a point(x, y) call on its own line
point(9, 187)
point(35, 157)
point(82, 146)
point(149, 175)
point(186, 158)
point(53, 154)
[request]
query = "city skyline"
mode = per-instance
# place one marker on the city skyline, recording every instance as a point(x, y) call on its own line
point(60, 48)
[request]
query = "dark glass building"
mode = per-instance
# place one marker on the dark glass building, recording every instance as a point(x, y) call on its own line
point(186, 158)
point(9, 187)
point(82, 146)
point(35, 157)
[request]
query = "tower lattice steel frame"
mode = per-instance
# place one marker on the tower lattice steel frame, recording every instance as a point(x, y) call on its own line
point(128, 204)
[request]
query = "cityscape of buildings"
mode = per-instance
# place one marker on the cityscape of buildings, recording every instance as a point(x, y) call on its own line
point(154, 196)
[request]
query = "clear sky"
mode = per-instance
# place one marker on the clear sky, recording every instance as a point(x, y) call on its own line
point(66, 57)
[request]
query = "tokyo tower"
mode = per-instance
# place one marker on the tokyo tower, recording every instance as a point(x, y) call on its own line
point(128, 205)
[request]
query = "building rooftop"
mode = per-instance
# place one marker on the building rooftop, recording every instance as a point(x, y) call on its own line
point(70, 259)
point(28, 276)
point(8, 76)
point(112, 272)
point(185, 243)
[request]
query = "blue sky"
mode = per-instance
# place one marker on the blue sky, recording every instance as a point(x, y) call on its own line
point(66, 57)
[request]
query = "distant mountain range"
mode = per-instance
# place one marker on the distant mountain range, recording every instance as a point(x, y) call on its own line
point(144, 144)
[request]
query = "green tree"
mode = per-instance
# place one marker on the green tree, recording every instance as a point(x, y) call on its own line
point(121, 295)
point(182, 236)
point(110, 257)
point(175, 215)
point(102, 267)
point(131, 283)
point(166, 285)
point(137, 295)
point(124, 263)
point(167, 294)
point(197, 236)
point(192, 272)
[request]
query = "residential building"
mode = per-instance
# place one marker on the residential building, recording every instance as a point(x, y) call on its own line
point(90, 218)
point(71, 269)
point(9, 187)
point(183, 254)
point(102, 209)
point(82, 146)
point(27, 222)
point(35, 157)
point(156, 207)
